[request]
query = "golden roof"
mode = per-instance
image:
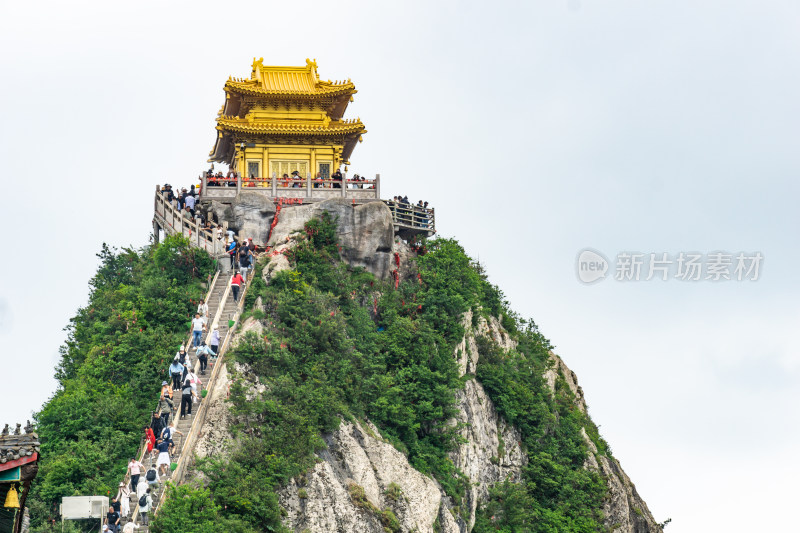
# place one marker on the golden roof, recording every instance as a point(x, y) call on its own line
point(285, 105)
point(288, 81)
point(328, 127)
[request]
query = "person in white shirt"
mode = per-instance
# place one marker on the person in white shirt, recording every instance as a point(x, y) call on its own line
point(124, 499)
point(141, 490)
point(202, 310)
point(198, 325)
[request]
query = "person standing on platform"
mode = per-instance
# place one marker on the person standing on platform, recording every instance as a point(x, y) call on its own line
point(189, 201)
point(135, 469)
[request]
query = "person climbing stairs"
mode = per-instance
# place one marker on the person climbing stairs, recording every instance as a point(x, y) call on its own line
point(184, 425)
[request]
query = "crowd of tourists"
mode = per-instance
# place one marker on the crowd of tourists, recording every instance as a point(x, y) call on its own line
point(418, 215)
point(185, 201)
point(218, 180)
point(295, 180)
point(182, 389)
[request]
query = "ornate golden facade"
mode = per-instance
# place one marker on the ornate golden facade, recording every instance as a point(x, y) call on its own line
point(284, 119)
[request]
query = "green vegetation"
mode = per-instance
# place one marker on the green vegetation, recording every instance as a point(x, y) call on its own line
point(337, 343)
point(193, 511)
point(116, 355)
point(556, 493)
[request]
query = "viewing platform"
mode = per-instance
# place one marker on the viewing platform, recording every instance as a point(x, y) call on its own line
point(310, 190)
point(408, 220)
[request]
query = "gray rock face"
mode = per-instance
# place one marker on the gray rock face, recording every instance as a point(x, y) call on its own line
point(491, 449)
point(249, 215)
point(365, 231)
point(358, 460)
point(624, 510)
point(559, 368)
point(491, 452)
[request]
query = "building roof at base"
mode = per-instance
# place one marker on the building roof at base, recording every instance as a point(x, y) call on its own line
point(18, 449)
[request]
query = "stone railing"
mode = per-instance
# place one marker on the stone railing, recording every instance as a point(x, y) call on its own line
point(311, 190)
point(173, 221)
point(408, 219)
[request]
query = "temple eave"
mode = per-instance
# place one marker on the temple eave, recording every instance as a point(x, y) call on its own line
point(292, 130)
point(255, 90)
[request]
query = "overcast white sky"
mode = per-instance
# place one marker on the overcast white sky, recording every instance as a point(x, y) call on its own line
point(535, 128)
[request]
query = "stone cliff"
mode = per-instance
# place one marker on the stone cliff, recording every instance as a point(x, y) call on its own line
point(361, 482)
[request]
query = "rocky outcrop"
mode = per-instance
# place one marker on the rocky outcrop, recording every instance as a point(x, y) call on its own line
point(561, 369)
point(491, 449)
point(359, 482)
point(249, 215)
point(624, 511)
point(357, 460)
point(277, 260)
point(365, 231)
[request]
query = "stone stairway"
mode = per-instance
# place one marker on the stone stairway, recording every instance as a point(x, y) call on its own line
point(183, 425)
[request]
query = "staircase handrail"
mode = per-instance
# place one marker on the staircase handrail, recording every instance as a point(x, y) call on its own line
point(143, 445)
point(199, 418)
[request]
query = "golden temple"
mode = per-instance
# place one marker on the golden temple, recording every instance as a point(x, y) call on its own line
point(285, 119)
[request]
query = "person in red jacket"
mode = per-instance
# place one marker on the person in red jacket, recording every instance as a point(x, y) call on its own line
point(236, 282)
point(151, 439)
